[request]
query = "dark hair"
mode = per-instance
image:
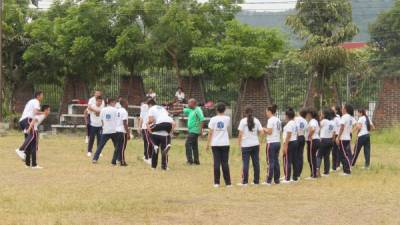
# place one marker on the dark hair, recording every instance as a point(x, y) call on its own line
point(250, 119)
point(151, 101)
point(221, 107)
point(99, 98)
point(38, 93)
point(303, 112)
point(123, 102)
point(349, 109)
point(328, 113)
point(290, 113)
point(272, 108)
point(338, 110)
point(313, 112)
point(110, 100)
point(368, 122)
point(44, 108)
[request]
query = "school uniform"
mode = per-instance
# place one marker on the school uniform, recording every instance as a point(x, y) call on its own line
point(33, 142)
point(122, 136)
point(363, 140)
point(326, 134)
point(108, 117)
point(289, 163)
point(147, 144)
point(345, 155)
point(250, 146)
point(160, 136)
point(312, 146)
point(26, 118)
point(273, 147)
point(335, 148)
point(91, 103)
point(95, 128)
point(298, 157)
point(220, 147)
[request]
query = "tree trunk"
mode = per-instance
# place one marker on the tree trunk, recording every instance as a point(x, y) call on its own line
point(74, 88)
point(311, 93)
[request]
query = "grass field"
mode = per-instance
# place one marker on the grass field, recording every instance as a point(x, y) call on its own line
point(70, 190)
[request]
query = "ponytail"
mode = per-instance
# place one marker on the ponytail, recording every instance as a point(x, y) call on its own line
point(367, 121)
point(272, 108)
point(250, 118)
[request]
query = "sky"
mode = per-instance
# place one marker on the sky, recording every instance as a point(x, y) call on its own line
point(252, 5)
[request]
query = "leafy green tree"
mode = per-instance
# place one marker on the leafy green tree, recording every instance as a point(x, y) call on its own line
point(323, 25)
point(385, 37)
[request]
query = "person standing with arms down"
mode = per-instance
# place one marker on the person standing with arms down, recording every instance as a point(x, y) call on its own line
point(32, 109)
point(363, 127)
point(147, 144)
point(344, 138)
point(298, 158)
point(273, 132)
point(108, 117)
point(312, 142)
point(123, 133)
point(335, 148)
point(327, 135)
point(290, 146)
point(95, 125)
point(195, 125)
point(218, 139)
point(249, 131)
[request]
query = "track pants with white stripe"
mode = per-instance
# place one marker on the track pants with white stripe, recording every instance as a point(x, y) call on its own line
point(312, 148)
point(273, 162)
point(289, 164)
point(345, 155)
point(160, 144)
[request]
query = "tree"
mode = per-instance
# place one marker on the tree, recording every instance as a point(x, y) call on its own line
point(385, 37)
point(323, 25)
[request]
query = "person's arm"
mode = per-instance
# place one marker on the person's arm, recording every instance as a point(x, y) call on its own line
point(340, 134)
point(127, 128)
point(209, 139)
point(286, 143)
point(85, 116)
point(311, 133)
point(240, 138)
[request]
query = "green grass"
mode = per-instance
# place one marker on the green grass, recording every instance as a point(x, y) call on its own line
point(70, 190)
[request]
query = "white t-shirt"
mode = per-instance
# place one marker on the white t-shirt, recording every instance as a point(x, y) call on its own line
point(314, 124)
point(347, 121)
point(291, 126)
point(327, 128)
point(122, 115)
point(144, 111)
point(95, 120)
point(275, 124)
point(337, 124)
point(180, 96)
point(220, 135)
point(301, 125)
point(109, 117)
point(364, 129)
point(249, 138)
point(118, 105)
point(92, 102)
point(38, 120)
point(152, 95)
point(29, 110)
point(160, 114)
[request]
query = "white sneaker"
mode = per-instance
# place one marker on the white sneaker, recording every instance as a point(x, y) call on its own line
point(345, 174)
point(266, 184)
point(216, 185)
point(144, 159)
point(37, 167)
point(285, 182)
point(241, 185)
point(86, 140)
point(310, 178)
point(325, 175)
point(89, 154)
point(148, 161)
point(20, 154)
point(101, 154)
point(229, 186)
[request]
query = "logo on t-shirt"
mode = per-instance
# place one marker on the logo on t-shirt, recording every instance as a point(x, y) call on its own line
point(302, 125)
point(108, 116)
point(330, 127)
point(220, 125)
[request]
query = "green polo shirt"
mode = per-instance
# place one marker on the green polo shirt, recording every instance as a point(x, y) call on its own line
point(195, 118)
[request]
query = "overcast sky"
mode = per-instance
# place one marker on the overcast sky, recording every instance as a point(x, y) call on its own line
point(252, 5)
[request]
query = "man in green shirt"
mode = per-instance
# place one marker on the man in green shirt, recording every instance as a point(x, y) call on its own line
point(195, 126)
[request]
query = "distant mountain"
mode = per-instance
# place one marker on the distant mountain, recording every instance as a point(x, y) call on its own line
point(364, 13)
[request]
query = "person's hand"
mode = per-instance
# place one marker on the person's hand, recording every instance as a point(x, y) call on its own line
point(129, 136)
point(337, 141)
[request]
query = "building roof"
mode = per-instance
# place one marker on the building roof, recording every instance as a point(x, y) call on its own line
point(354, 45)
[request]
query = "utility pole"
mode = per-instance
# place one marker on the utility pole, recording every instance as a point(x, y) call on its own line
point(1, 61)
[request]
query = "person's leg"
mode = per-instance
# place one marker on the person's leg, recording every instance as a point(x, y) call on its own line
point(156, 143)
point(225, 165)
point(309, 157)
point(295, 161)
point(335, 155)
point(195, 148)
point(367, 151)
point(161, 127)
point(344, 158)
point(145, 145)
point(256, 163)
point(245, 162)
point(28, 153)
point(321, 154)
point(270, 164)
point(98, 135)
point(359, 144)
point(277, 171)
point(315, 148)
point(164, 153)
point(327, 153)
point(92, 134)
point(104, 139)
point(189, 148)
point(125, 142)
point(300, 156)
point(117, 140)
point(347, 148)
point(34, 149)
point(217, 162)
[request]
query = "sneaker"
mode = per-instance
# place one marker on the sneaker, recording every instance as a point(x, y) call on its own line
point(345, 174)
point(229, 185)
point(148, 161)
point(101, 154)
point(241, 185)
point(266, 184)
point(37, 167)
point(325, 175)
point(333, 171)
point(89, 154)
point(154, 169)
point(255, 184)
point(216, 185)
point(311, 178)
point(144, 158)
point(365, 167)
point(166, 150)
point(87, 140)
point(94, 161)
point(20, 154)
point(285, 182)
point(124, 164)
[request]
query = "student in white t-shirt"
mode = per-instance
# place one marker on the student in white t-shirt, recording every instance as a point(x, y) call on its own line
point(312, 141)
point(301, 142)
point(180, 95)
point(327, 134)
point(32, 141)
point(92, 108)
point(160, 126)
point(94, 124)
point(218, 139)
point(143, 118)
point(249, 131)
point(32, 109)
point(123, 134)
point(273, 132)
point(108, 117)
point(290, 146)
point(335, 149)
point(364, 126)
point(344, 138)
